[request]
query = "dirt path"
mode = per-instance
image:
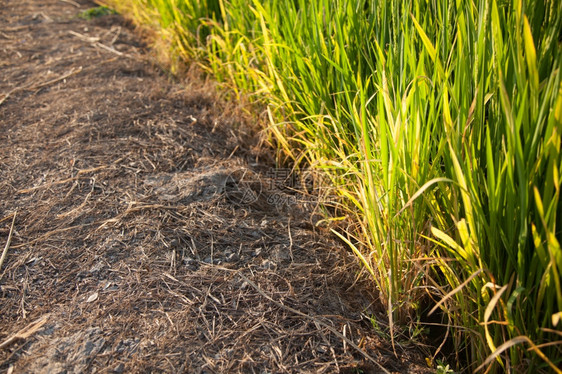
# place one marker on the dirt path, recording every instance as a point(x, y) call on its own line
point(148, 236)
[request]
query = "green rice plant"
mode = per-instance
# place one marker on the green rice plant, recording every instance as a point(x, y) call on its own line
point(504, 153)
point(439, 125)
point(181, 24)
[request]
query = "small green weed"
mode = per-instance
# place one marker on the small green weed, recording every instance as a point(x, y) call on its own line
point(96, 12)
point(443, 368)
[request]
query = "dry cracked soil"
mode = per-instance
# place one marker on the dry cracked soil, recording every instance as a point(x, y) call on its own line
point(145, 227)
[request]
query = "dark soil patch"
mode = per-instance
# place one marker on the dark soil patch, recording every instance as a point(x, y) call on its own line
point(149, 236)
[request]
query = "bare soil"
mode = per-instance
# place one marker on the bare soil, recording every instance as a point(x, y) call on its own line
point(151, 231)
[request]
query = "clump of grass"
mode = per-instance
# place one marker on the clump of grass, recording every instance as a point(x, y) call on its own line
point(96, 12)
point(439, 124)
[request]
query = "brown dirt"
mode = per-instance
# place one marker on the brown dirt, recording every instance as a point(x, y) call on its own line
point(149, 235)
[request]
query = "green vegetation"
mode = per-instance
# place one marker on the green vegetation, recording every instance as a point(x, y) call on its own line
point(95, 12)
point(439, 123)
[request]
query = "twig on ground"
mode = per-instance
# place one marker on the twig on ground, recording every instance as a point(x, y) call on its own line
point(26, 332)
point(83, 37)
point(31, 86)
point(5, 251)
point(116, 36)
point(290, 240)
point(71, 3)
point(62, 77)
point(95, 42)
point(57, 231)
point(6, 96)
point(6, 36)
point(110, 49)
point(80, 172)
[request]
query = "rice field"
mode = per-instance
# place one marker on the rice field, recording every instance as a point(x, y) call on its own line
point(439, 124)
